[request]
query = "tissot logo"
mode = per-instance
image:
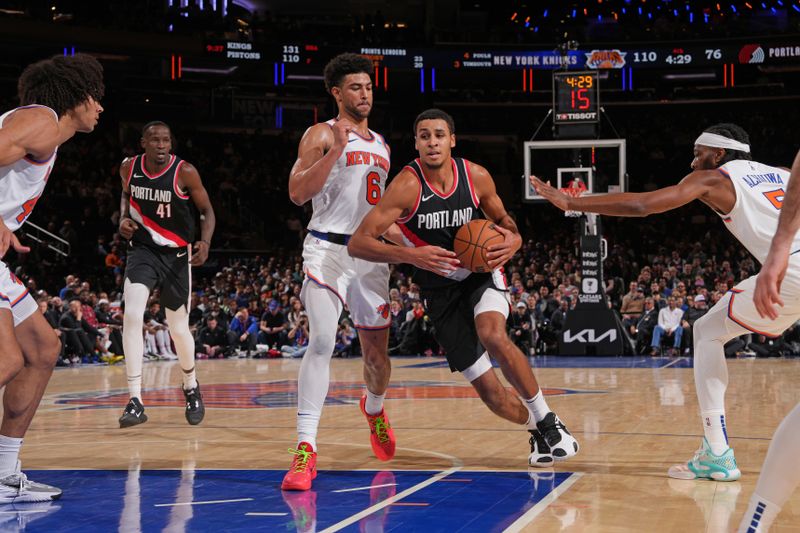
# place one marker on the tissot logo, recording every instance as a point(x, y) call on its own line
point(590, 335)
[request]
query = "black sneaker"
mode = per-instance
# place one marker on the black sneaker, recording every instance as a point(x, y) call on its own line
point(133, 414)
point(562, 444)
point(540, 456)
point(195, 410)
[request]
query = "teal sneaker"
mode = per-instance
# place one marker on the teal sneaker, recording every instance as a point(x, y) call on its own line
point(706, 465)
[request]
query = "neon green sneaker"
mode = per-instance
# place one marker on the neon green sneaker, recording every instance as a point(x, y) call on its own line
point(706, 465)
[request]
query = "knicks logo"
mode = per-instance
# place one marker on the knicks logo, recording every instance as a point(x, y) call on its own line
point(605, 59)
point(383, 310)
point(273, 395)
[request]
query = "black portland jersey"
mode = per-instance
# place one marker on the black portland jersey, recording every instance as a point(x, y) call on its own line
point(437, 216)
point(162, 210)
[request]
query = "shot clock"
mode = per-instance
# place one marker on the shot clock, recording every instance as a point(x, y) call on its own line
point(575, 98)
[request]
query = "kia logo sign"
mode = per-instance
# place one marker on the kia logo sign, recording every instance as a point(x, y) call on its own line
point(751, 54)
point(589, 336)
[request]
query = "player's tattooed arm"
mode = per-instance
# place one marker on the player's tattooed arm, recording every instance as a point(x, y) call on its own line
point(320, 147)
point(127, 226)
point(189, 180)
point(492, 206)
point(398, 201)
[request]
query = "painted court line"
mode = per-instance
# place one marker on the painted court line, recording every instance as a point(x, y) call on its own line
point(266, 514)
point(673, 362)
point(368, 487)
point(203, 503)
point(534, 511)
point(389, 501)
point(26, 512)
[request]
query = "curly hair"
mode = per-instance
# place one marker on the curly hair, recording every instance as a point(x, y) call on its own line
point(61, 82)
point(735, 132)
point(342, 65)
point(433, 114)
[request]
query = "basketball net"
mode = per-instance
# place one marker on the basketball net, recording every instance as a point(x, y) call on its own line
point(575, 189)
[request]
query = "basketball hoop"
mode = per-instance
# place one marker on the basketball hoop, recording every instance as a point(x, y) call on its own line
point(575, 192)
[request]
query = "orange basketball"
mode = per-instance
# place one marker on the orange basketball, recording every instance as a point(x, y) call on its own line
point(472, 242)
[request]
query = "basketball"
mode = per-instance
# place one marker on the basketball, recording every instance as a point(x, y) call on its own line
point(472, 242)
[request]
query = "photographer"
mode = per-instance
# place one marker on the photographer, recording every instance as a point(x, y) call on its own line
point(298, 336)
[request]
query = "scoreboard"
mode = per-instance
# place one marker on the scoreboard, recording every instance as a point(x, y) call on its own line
point(576, 97)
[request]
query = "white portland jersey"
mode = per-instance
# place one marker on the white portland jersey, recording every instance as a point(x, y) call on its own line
point(354, 185)
point(759, 196)
point(22, 182)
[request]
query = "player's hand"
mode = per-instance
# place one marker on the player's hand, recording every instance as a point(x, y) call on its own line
point(341, 133)
point(433, 258)
point(127, 227)
point(768, 284)
point(550, 193)
point(9, 240)
point(199, 253)
point(500, 254)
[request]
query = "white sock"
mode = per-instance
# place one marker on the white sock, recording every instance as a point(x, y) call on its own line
point(135, 386)
point(307, 423)
point(374, 403)
point(9, 455)
point(538, 406)
point(531, 423)
point(759, 515)
point(715, 430)
point(189, 379)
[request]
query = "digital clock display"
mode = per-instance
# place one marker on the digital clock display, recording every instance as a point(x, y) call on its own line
point(575, 97)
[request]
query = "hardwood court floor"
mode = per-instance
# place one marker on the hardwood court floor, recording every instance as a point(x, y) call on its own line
point(458, 467)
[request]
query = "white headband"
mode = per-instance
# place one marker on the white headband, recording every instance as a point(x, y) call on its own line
point(718, 141)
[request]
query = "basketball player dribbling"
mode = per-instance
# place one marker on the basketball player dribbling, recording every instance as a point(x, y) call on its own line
point(748, 196)
point(59, 97)
point(430, 199)
point(341, 167)
point(780, 473)
point(158, 189)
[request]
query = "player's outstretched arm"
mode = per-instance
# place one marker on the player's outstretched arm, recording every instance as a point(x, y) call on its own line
point(31, 131)
point(492, 206)
point(189, 179)
point(319, 149)
point(768, 284)
point(632, 204)
point(127, 226)
point(399, 199)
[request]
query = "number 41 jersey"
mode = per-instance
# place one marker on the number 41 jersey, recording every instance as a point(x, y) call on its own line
point(759, 197)
point(162, 210)
point(354, 185)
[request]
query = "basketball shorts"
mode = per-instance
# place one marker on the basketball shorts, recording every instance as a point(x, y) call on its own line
point(14, 296)
point(163, 267)
point(453, 309)
point(362, 286)
point(742, 310)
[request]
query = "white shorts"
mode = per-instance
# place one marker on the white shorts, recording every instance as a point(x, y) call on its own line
point(742, 310)
point(362, 286)
point(14, 296)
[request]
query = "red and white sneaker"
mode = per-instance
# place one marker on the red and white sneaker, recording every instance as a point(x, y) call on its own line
point(381, 434)
point(303, 469)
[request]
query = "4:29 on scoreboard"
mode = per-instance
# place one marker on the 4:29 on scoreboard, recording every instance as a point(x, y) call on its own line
point(576, 97)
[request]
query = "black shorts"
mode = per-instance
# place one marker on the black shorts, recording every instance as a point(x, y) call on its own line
point(164, 267)
point(452, 311)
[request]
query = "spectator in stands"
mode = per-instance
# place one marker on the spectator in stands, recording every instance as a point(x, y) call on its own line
point(243, 332)
point(110, 325)
point(520, 327)
point(559, 318)
point(344, 340)
point(298, 339)
point(78, 335)
point(158, 344)
point(698, 309)
point(669, 324)
point(212, 340)
point(295, 313)
point(632, 306)
point(646, 325)
point(398, 317)
point(44, 308)
point(272, 330)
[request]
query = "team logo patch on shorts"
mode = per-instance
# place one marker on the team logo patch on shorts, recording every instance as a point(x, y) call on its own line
point(383, 310)
point(273, 395)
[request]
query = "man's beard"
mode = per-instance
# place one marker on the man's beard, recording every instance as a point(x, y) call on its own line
point(356, 112)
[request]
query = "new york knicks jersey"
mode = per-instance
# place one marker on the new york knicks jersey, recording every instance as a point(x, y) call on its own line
point(759, 197)
point(162, 210)
point(354, 185)
point(22, 182)
point(437, 217)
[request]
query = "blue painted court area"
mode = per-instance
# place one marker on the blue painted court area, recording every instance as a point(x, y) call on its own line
point(566, 361)
point(251, 500)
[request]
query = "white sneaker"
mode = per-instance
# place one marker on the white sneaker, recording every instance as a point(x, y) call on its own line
point(167, 356)
point(17, 488)
point(540, 456)
point(562, 444)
